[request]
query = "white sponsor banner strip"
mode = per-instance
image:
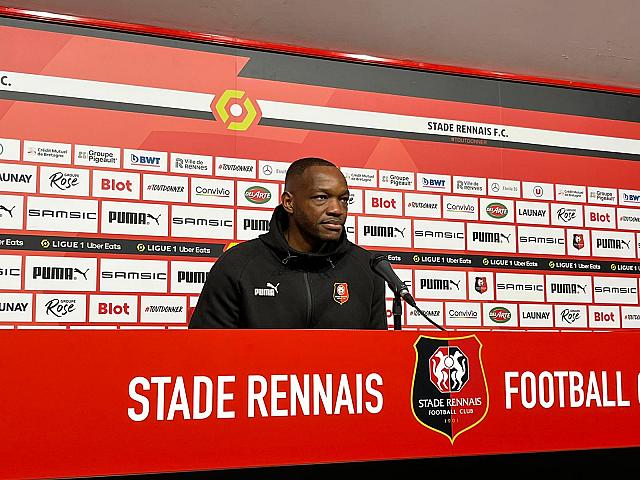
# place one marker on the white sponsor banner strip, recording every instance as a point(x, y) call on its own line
point(408, 123)
point(106, 91)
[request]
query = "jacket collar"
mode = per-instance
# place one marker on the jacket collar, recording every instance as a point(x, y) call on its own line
point(329, 253)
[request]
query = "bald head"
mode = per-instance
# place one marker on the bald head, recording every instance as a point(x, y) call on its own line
point(296, 170)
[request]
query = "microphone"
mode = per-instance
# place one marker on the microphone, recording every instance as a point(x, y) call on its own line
point(381, 266)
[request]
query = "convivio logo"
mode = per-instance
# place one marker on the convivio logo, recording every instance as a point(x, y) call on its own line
point(497, 210)
point(257, 194)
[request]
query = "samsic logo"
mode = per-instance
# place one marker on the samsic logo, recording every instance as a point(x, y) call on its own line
point(133, 218)
point(202, 222)
point(64, 214)
point(133, 275)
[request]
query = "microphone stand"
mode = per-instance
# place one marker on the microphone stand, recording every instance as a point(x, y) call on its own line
point(397, 312)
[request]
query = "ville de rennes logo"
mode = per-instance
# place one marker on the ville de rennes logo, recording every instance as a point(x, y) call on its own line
point(449, 394)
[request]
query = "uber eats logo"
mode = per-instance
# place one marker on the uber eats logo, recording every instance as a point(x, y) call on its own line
point(235, 109)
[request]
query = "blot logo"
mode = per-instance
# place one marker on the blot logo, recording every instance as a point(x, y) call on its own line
point(236, 110)
point(449, 392)
point(341, 292)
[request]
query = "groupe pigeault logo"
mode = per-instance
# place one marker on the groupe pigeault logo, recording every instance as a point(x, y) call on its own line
point(236, 110)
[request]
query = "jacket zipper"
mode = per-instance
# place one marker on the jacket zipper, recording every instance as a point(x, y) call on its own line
point(306, 282)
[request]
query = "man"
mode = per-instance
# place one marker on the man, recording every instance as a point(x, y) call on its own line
point(303, 273)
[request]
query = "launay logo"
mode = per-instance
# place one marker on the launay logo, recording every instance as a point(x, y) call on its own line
point(449, 394)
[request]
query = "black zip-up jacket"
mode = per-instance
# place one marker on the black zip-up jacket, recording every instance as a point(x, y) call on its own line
point(264, 283)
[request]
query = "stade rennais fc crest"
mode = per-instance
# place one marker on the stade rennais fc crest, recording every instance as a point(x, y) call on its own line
point(449, 393)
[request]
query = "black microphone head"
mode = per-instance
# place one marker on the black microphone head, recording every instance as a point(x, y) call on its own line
point(376, 258)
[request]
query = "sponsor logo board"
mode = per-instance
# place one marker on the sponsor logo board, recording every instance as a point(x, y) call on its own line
point(9, 149)
point(235, 167)
point(571, 193)
point(493, 210)
point(260, 195)
point(459, 208)
point(163, 309)
point(110, 184)
point(602, 195)
point(145, 160)
point(578, 243)
point(613, 244)
point(46, 152)
point(566, 215)
point(604, 317)
point(438, 235)
point(599, 217)
point(481, 286)
point(113, 308)
point(615, 290)
point(500, 315)
point(629, 197)
point(384, 232)
point(212, 191)
point(433, 310)
point(570, 316)
point(127, 218)
point(268, 170)
point(201, 222)
point(569, 288)
point(62, 214)
point(16, 307)
point(383, 203)
point(10, 272)
point(101, 157)
point(628, 219)
point(397, 180)
point(123, 275)
point(65, 181)
point(189, 277)
point(11, 212)
point(462, 314)
point(537, 190)
point(422, 205)
point(630, 317)
point(536, 316)
point(503, 188)
point(60, 273)
point(541, 240)
point(61, 307)
point(491, 238)
point(440, 284)
point(165, 188)
point(469, 185)
point(191, 164)
point(17, 178)
point(519, 287)
point(356, 201)
point(360, 177)
point(536, 213)
point(252, 223)
point(429, 182)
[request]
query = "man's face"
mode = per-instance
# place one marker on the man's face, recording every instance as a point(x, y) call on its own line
point(317, 204)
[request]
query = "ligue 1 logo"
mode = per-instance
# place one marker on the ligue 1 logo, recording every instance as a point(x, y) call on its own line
point(449, 394)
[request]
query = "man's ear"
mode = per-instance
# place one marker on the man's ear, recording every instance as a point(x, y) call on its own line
point(287, 201)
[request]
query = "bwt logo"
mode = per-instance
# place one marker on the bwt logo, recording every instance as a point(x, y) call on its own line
point(387, 232)
point(145, 160)
point(432, 182)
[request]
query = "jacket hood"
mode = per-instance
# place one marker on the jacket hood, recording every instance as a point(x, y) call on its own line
point(329, 252)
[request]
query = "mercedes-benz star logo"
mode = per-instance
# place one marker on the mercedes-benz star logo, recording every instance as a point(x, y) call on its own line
point(267, 170)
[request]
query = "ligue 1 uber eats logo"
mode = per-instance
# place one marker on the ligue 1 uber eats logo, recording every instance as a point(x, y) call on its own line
point(449, 394)
point(236, 110)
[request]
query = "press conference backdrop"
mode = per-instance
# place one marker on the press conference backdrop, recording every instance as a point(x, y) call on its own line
point(129, 163)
